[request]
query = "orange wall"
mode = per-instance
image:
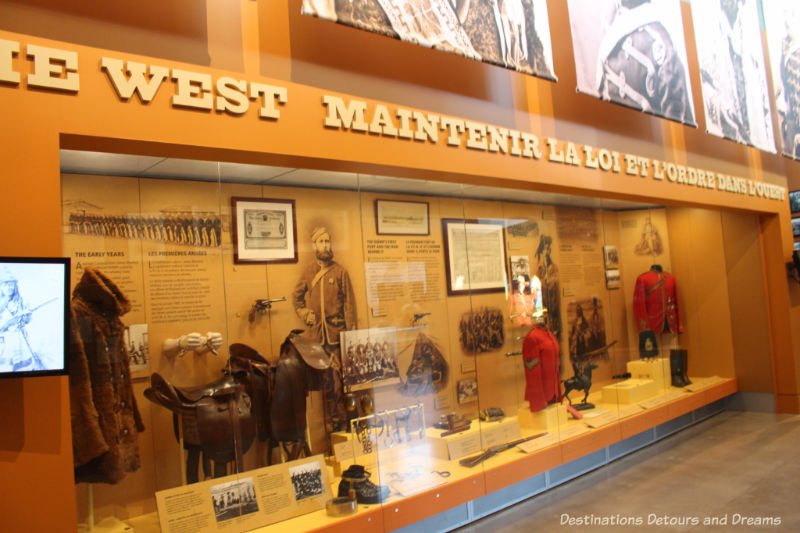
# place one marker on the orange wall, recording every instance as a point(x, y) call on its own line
point(270, 42)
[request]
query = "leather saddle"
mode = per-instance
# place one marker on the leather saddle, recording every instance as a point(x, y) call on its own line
point(251, 369)
point(216, 420)
point(299, 369)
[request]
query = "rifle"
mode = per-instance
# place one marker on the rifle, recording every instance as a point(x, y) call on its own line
point(17, 319)
point(475, 460)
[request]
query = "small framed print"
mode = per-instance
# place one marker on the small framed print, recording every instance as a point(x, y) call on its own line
point(475, 256)
point(400, 217)
point(611, 256)
point(264, 230)
point(796, 227)
point(612, 278)
point(467, 390)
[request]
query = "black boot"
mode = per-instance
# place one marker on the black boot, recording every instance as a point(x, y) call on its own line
point(685, 367)
point(357, 478)
point(675, 367)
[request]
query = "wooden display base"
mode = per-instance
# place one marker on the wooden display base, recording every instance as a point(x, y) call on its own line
point(629, 391)
point(548, 419)
point(479, 436)
point(656, 369)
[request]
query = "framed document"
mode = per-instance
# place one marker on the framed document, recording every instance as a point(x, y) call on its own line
point(264, 230)
point(475, 255)
point(398, 217)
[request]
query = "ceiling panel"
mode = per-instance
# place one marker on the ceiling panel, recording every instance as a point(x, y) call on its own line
point(82, 162)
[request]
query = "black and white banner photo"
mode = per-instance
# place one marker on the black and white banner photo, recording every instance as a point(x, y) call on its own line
point(633, 53)
point(782, 19)
point(732, 71)
point(511, 33)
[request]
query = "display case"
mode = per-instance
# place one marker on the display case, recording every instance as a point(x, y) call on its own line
point(262, 345)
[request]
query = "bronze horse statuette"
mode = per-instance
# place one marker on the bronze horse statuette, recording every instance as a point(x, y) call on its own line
point(582, 380)
point(220, 420)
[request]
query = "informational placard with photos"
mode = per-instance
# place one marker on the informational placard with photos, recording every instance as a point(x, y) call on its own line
point(242, 502)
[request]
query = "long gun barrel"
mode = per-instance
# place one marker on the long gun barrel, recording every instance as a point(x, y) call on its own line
point(475, 460)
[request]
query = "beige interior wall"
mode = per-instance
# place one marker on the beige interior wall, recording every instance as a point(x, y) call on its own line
point(618, 310)
point(748, 304)
point(698, 263)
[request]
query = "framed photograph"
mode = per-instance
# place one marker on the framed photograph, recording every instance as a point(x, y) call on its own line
point(467, 390)
point(136, 340)
point(796, 227)
point(794, 202)
point(612, 278)
point(611, 256)
point(400, 217)
point(264, 230)
point(369, 358)
point(475, 256)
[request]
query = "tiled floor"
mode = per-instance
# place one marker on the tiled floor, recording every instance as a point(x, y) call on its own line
point(741, 469)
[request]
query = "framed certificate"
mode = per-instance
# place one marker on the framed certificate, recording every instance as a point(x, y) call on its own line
point(475, 255)
point(399, 217)
point(264, 230)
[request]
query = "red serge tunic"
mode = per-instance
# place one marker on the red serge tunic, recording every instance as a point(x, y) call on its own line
point(542, 378)
point(655, 302)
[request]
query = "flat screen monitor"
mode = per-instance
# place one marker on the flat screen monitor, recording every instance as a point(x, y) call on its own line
point(34, 316)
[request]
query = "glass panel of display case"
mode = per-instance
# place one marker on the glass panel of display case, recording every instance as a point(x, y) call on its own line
point(148, 340)
point(312, 344)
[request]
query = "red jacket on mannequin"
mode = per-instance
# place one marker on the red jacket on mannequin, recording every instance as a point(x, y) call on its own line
point(655, 302)
point(542, 378)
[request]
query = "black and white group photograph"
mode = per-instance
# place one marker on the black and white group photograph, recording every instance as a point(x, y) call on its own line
point(306, 480)
point(782, 20)
point(234, 498)
point(177, 226)
point(732, 71)
point(633, 53)
point(510, 33)
point(369, 357)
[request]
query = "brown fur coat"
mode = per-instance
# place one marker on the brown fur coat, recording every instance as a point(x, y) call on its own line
point(105, 417)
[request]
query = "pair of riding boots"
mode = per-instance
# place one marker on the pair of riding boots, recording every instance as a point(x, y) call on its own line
point(356, 478)
point(678, 364)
